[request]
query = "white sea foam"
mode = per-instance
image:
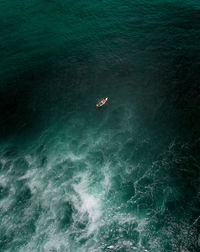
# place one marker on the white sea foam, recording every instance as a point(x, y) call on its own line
point(30, 160)
point(90, 202)
point(4, 180)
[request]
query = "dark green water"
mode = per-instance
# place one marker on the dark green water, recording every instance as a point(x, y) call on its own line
point(125, 177)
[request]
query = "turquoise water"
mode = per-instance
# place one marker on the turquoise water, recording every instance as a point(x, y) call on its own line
point(124, 177)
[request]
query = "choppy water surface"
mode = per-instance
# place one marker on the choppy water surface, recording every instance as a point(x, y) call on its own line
point(124, 177)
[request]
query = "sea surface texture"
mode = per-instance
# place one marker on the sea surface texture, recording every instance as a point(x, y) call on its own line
point(124, 177)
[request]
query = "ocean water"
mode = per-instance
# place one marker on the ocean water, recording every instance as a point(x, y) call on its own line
point(125, 177)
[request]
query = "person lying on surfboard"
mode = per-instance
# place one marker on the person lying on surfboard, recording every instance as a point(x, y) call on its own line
point(102, 102)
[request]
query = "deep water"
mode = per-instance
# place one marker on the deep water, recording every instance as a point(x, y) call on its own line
point(125, 177)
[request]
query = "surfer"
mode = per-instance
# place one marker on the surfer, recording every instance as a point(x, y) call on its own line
point(102, 102)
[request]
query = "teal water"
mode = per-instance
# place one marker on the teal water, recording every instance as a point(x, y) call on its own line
point(125, 177)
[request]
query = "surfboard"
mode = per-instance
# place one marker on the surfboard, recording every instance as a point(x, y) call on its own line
point(102, 102)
